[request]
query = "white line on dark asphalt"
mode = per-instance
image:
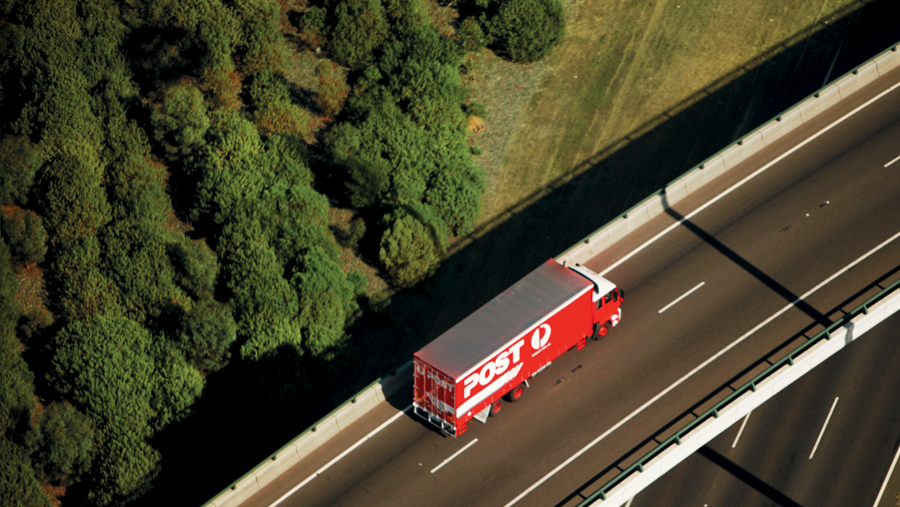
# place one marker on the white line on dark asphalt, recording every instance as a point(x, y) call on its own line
point(892, 161)
point(340, 456)
point(887, 478)
point(690, 374)
point(823, 429)
point(457, 453)
point(686, 294)
point(738, 437)
point(748, 178)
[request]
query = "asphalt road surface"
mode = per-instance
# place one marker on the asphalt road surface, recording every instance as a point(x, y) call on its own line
point(826, 212)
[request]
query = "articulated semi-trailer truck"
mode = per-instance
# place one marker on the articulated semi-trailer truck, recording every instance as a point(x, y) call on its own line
point(467, 371)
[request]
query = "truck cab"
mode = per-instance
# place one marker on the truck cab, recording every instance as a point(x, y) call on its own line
point(607, 300)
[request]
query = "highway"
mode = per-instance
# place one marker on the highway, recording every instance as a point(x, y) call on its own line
point(777, 257)
point(787, 455)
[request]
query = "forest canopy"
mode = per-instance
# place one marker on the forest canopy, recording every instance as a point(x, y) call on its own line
point(166, 184)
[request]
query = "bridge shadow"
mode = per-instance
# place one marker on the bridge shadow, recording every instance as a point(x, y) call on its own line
point(746, 477)
point(249, 411)
point(728, 387)
point(749, 267)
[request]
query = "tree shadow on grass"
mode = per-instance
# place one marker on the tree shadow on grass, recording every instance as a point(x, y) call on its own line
point(248, 411)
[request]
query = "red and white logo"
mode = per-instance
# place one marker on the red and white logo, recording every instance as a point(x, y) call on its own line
point(540, 337)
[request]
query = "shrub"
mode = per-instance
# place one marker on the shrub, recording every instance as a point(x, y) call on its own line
point(527, 29)
point(357, 28)
point(414, 243)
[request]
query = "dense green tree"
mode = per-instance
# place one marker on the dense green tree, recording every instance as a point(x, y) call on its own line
point(414, 243)
point(356, 29)
point(25, 234)
point(333, 88)
point(179, 118)
point(16, 381)
point(19, 486)
point(265, 306)
point(527, 29)
point(326, 299)
point(206, 332)
point(63, 441)
point(20, 160)
point(110, 368)
point(196, 267)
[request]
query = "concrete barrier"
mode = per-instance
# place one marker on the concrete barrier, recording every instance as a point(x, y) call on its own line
point(732, 156)
point(777, 380)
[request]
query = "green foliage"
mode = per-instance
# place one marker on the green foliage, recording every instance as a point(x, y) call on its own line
point(356, 29)
point(527, 29)
point(63, 441)
point(81, 286)
point(111, 368)
point(207, 331)
point(265, 306)
point(333, 88)
point(326, 299)
point(179, 118)
point(196, 266)
point(178, 384)
point(470, 36)
point(16, 381)
point(19, 486)
point(20, 160)
point(414, 243)
point(136, 260)
point(312, 26)
point(455, 195)
point(25, 234)
point(73, 201)
point(262, 38)
point(275, 112)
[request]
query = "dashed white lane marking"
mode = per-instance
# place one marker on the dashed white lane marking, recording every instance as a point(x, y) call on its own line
point(813, 453)
point(340, 456)
point(892, 161)
point(887, 478)
point(457, 453)
point(686, 294)
point(738, 437)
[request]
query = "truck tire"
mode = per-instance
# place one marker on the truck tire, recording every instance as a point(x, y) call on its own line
point(600, 330)
point(516, 394)
point(496, 408)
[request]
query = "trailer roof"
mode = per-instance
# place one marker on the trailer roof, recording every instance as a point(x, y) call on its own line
point(503, 319)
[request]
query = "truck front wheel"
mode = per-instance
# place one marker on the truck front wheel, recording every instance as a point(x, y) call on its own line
point(517, 392)
point(496, 408)
point(600, 330)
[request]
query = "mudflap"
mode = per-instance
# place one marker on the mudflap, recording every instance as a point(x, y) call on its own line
point(483, 415)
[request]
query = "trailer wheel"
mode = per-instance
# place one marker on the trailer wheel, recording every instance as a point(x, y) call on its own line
point(517, 392)
point(600, 330)
point(496, 408)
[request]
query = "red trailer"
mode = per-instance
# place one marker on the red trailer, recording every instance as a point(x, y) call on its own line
point(464, 373)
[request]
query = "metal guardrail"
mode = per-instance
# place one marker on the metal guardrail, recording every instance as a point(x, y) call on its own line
point(789, 359)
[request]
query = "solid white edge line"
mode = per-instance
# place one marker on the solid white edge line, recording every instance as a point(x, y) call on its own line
point(698, 368)
point(686, 294)
point(457, 453)
point(887, 478)
point(892, 161)
point(823, 429)
point(746, 179)
point(629, 502)
point(340, 456)
point(738, 437)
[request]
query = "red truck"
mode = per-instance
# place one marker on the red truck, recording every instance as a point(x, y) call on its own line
point(464, 373)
